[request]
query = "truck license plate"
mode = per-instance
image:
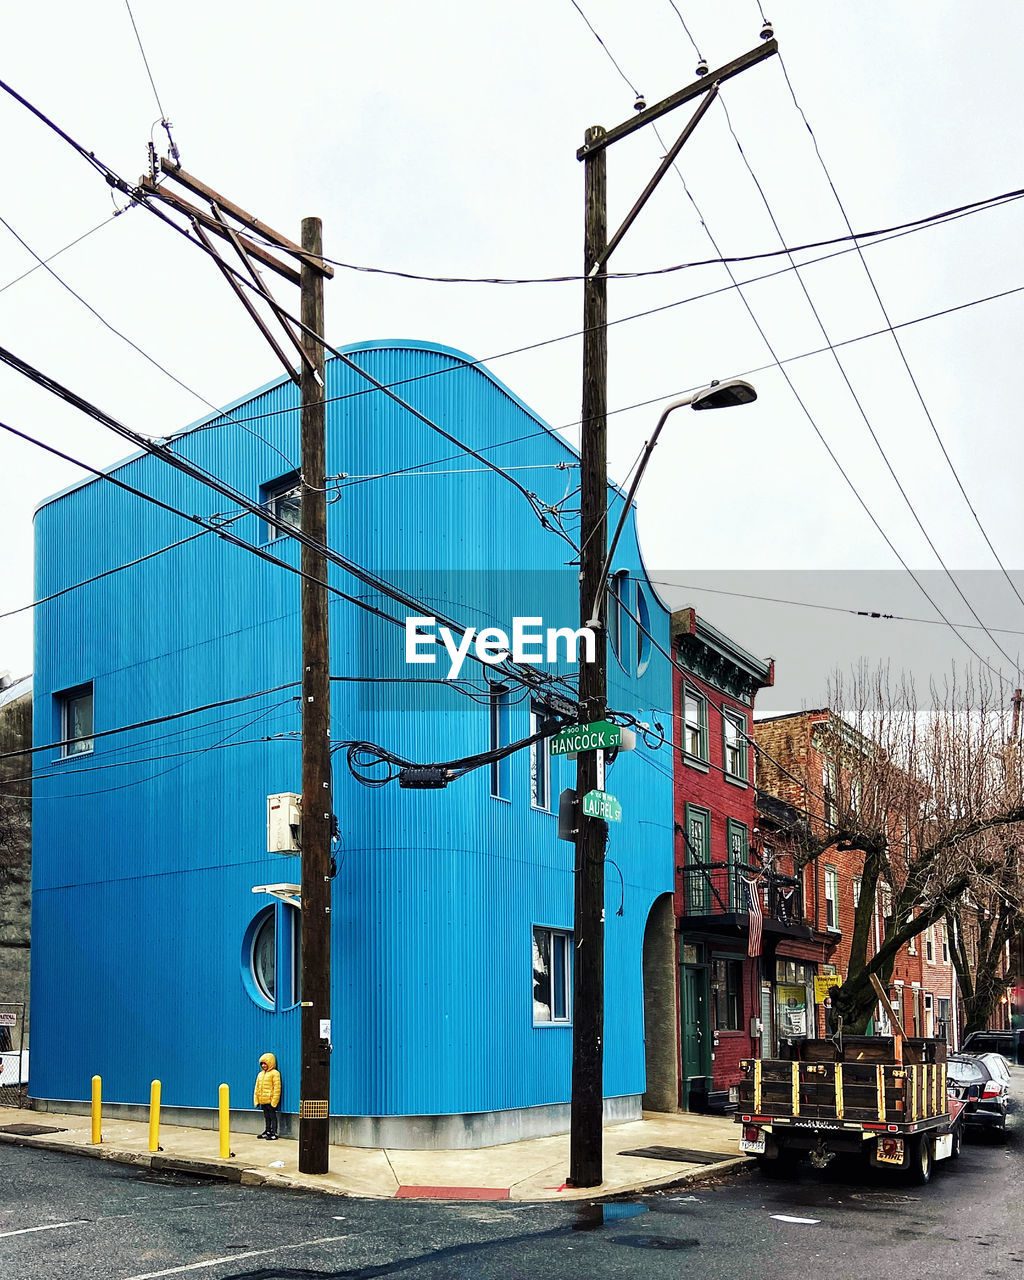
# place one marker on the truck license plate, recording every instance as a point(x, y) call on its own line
point(889, 1151)
point(755, 1147)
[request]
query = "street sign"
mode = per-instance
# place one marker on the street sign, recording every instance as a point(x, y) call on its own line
point(599, 804)
point(602, 735)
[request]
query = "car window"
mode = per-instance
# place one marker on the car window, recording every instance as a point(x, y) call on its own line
point(962, 1072)
point(996, 1065)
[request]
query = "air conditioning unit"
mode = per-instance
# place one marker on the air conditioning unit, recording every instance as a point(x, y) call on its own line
point(284, 823)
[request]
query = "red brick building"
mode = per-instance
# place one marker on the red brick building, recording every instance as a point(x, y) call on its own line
point(804, 760)
point(724, 887)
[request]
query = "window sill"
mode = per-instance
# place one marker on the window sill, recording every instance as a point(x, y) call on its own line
point(735, 780)
point(536, 808)
point(76, 755)
point(549, 1026)
point(695, 762)
point(503, 799)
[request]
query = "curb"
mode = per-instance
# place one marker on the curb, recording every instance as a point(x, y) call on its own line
point(248, 1176)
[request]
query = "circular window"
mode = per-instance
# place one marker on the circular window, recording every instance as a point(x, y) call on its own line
point(264, 955)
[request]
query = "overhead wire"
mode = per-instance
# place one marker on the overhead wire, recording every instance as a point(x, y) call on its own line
point(135, 346)
point(42, 262)
point(895, 337)
point(860, 405)
point(160, 106)
point(860, 498)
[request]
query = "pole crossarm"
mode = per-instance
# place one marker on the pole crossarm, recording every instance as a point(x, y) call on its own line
point(742, 63)
point(190, 183)
point(662, 169)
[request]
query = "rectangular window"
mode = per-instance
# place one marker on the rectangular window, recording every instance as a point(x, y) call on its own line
point(540, 762)
point(912, 944)
point(856, 890)
point(831, 898)
point(734, 744)
point(552, 975)
point(695, 725)
point(282, 499)
point(828, 791)
point(726, 986)
point(739, 853)
point(76, 720)
point(945, 942)
point(499, 710)
point(698, 852)
point(929, 944)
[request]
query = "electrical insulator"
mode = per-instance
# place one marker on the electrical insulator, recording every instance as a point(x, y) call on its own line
point(641, 103)
point(702, 67)
point(767, 31)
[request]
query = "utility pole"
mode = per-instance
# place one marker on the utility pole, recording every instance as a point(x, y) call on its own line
point(249, 239)
point(317, 803)
point(586, 1120)
point(587, 1109)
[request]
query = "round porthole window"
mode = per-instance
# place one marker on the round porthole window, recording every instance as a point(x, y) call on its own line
point(264, 955)
point(271, 957)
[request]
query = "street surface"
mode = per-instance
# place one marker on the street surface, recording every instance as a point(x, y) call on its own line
point(64, 1215)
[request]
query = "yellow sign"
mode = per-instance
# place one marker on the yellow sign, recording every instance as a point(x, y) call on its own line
point(823, 984)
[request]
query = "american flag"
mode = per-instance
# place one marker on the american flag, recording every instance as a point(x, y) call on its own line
point(754, 908)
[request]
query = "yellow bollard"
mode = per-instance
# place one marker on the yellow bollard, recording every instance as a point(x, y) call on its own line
point(154, 1116)
point(97, 1107)
point(224, 1106)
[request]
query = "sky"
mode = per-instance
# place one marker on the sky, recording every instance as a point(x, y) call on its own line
point(440, 140)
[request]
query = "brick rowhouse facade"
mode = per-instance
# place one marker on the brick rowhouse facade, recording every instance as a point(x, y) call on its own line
point(797, 765)
point(719, 865)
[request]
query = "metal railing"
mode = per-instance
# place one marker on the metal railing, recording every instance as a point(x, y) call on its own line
point(721, 888)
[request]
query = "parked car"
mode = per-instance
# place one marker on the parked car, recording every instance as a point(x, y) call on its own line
point(982, 1082)
point(1009, 1043)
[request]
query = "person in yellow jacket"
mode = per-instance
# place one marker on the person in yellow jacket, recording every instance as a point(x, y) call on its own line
point(267, 1094)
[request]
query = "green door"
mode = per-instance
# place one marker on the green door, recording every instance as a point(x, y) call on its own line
point(696, 1027)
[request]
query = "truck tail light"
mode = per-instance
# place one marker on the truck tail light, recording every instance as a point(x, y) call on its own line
point(751, 1132)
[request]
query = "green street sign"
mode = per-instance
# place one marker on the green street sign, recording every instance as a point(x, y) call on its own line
point(602, 735)
point(599, 804)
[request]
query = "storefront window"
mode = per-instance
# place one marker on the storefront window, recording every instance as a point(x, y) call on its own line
point(794, 1008)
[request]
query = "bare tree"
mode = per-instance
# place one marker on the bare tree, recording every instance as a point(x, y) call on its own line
point(929, 794)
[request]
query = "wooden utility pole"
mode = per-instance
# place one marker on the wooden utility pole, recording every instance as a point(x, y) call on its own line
point(317, 804)
point(587, 1109)
point(586, 1120)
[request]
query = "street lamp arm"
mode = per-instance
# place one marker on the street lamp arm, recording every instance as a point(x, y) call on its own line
point(595, 613)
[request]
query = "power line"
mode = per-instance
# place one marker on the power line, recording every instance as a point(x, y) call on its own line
point(863, 412)
point(135, 346)
point(145, 724)
point(514, 671)
point(163, 114)
point(895, 337)
point(611, 59)
point(41, 262)
point(831, 608)
point(853, 239)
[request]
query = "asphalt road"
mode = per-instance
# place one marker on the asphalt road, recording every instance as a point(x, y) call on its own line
point(63, 1215)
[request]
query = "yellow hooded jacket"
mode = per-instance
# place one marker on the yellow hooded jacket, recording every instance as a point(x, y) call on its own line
point(268, 1083)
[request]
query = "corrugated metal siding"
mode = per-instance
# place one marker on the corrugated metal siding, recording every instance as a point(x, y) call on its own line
point(143, 873)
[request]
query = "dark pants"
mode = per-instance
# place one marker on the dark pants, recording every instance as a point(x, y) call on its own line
point(270, 1118)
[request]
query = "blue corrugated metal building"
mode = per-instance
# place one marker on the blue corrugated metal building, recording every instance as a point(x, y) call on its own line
point(152, 956)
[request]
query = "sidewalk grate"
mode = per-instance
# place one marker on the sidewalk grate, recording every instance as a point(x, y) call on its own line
point(30, 1130)
point(680, 1155)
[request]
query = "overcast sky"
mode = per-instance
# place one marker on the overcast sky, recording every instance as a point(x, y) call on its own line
point(440, 139)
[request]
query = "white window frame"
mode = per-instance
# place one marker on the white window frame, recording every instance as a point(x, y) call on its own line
point(856, 891)
point(739, 723)
point(80, 745)
point(703, 754)
point(271, 501)
point(832, 883)
point(559, 948)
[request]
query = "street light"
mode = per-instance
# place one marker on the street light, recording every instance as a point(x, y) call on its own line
point(719, 395)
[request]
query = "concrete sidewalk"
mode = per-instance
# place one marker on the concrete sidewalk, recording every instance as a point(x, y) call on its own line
point(676, 1149)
